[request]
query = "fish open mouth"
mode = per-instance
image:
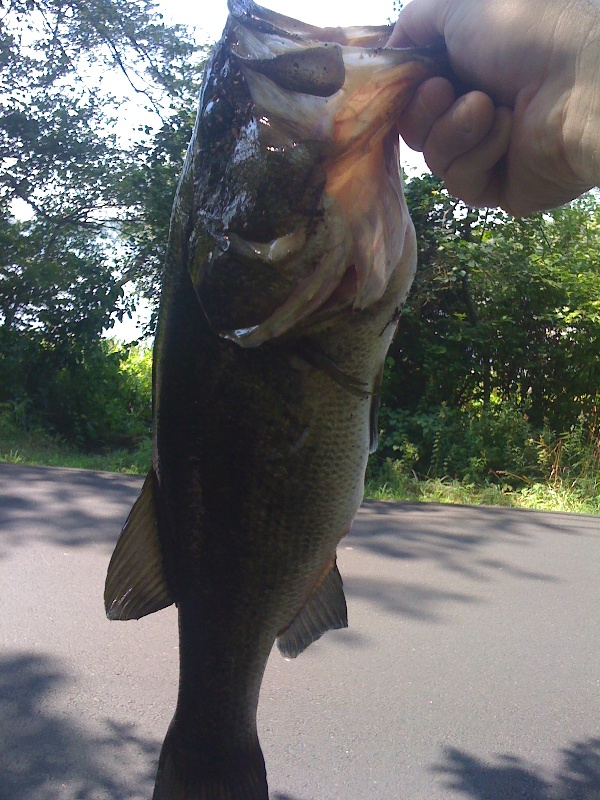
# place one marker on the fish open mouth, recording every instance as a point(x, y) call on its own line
point(341, 90)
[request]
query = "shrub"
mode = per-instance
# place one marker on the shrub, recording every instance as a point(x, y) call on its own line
point(491, 450)
point(472, 443)
point(97, 397)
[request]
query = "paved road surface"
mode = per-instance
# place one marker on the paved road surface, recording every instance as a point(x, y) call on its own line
point(471, 668)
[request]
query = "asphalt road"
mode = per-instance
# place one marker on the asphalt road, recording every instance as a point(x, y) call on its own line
point(471, 668)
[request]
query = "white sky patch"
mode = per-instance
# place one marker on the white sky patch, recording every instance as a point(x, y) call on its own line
point(130, 329)
point(210, 18)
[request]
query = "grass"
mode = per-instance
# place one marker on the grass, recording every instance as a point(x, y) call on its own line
point(556, 496)
point(37, 447)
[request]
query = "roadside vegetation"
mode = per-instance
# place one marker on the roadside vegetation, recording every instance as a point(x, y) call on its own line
point(562, 475)
point(571, 484)
point(492, 387)
point(491, 457)
point(97, 416)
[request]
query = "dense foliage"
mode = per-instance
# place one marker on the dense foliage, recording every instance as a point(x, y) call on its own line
point(497, 355)
point(96, 102)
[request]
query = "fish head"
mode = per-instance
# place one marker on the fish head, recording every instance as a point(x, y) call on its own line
point(298, 196)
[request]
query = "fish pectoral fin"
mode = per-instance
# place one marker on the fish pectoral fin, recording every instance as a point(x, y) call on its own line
point(324, 610)
point(307, 351)
point(135, 582)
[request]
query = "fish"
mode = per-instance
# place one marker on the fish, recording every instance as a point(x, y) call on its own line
point(291, 251)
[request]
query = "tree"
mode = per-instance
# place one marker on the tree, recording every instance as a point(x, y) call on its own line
point(60, 97)
point(90, 215)
point(503, 318)
point(148, 188)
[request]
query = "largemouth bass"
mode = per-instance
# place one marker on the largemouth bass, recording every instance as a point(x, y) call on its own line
point(291, 251)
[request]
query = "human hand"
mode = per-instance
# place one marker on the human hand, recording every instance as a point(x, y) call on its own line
point(528, 138)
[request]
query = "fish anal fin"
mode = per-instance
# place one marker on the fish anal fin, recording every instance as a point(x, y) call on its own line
point(135, 582)
point(324, 610)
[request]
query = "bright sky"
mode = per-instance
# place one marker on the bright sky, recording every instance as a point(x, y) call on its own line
point(210, 16)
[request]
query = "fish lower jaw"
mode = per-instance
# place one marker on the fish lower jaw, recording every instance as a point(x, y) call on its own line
point(284, 320)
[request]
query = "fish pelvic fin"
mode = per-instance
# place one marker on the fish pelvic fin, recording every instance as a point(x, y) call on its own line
point(324, 610)
point(135, 582)
point(184, 773)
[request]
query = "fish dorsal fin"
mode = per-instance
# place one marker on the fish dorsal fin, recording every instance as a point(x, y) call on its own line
point(374, 412)
point(135, 583)
point(324, 610)
point(374, 424)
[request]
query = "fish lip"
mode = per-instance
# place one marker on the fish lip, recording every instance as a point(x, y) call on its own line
point(372, 38)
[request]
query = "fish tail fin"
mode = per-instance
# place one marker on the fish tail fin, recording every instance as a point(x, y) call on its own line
point(222, 773)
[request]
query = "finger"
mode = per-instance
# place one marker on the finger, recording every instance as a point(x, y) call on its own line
point(420, 23)
point(466, 123)
point(478, 177)
point(400, 36)
point(433, 98)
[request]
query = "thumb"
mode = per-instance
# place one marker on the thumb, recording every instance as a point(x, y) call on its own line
point(420, 23)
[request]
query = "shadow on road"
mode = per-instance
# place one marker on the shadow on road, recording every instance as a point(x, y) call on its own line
point(46, 756)
point(461, 541)
point(408, 599)
point(513, 778)
point(78, 509)
point(442, 535)
point(65, 508)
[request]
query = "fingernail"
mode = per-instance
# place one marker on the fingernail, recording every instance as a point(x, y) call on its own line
point(462, 118)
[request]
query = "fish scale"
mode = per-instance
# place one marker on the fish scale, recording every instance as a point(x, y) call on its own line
point(290, 253)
